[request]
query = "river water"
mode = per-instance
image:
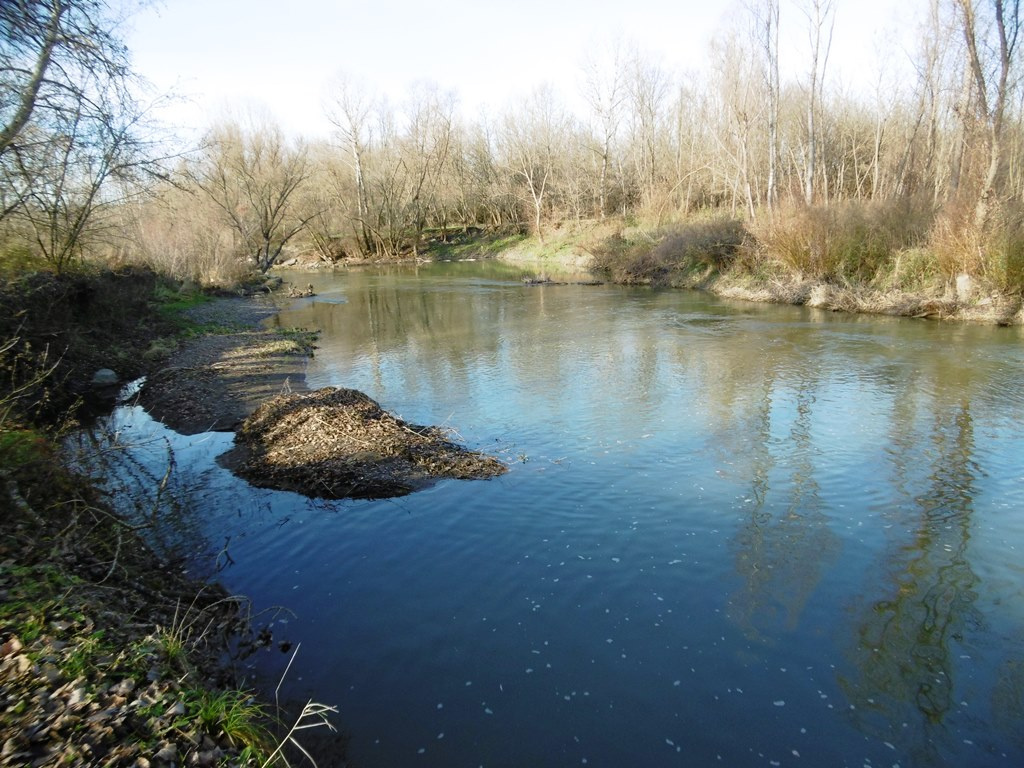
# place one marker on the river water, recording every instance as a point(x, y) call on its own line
point(732, 534)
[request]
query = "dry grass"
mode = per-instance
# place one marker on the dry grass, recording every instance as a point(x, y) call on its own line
point(854, 242)
point(681, 254)
point(992, 253)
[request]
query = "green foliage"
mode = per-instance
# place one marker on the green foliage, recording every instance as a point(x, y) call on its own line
point(19, 447)
point(913, 270)
point(172, 299)
point(471, 243)
point(17, 258)
point(232, 714)
point(86, 655)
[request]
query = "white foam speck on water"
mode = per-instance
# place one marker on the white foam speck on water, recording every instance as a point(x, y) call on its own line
point(529, 670)
point(440, 705)
point(421, 750)
point(488, 711)
point(670, 742)
point(779, 703)
point(440, 735)
point(677, 683)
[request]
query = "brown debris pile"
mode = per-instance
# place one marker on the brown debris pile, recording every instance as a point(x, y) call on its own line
point(338, 443)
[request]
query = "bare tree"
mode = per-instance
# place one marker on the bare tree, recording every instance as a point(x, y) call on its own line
point(69, 124)
point(252, 175)
point(648, 86)
point(604, 89)
point(820, 25)
point(991, 33)
point(532, 140)
point(52, 54)
point(766, 33)
point(349, 111)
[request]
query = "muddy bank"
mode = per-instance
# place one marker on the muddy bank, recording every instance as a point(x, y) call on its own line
point(212, 382)
point(338, 443)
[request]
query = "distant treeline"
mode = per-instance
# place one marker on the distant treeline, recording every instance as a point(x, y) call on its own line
point(930, 166)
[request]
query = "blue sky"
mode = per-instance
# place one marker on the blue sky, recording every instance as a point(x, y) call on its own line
point(281, 56)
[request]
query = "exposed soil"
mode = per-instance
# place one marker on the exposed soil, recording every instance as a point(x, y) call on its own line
point(338, 443)
point(212, 382)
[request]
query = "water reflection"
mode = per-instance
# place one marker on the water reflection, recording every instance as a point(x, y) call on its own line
point(766, 529)
point(911, 635)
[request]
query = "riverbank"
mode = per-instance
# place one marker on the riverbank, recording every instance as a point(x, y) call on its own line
point(212, 381)
point(110, 653)
point(722, 257)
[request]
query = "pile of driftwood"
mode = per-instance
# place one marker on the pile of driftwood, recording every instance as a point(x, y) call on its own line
point(338, 443)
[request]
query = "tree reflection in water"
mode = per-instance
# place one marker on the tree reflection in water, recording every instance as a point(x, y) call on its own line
point(905, 660)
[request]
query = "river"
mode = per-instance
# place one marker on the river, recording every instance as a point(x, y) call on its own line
point(732, 534)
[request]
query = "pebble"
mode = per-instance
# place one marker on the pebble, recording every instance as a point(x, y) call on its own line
point(168, 752)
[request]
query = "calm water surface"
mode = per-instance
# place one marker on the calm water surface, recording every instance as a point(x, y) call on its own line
point(732, 534)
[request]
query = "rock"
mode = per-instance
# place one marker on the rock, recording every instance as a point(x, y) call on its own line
point(77, 698)
point(175, 710)
point(168, 753)
point(208, 758)
point(104, 377)
point(964, 288)
point(123, 688)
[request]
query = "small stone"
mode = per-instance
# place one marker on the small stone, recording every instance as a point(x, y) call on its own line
point(176, 709)
point(168, 752)
point(104, 377)
point(141, 762)
point(123, 688)
point(11, 647)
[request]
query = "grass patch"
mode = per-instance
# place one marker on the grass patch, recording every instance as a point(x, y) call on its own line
point(233, 715)
point(171, 300)
point(471, 243)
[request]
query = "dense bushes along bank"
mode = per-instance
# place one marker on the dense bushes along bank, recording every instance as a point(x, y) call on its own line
point(859, 257)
